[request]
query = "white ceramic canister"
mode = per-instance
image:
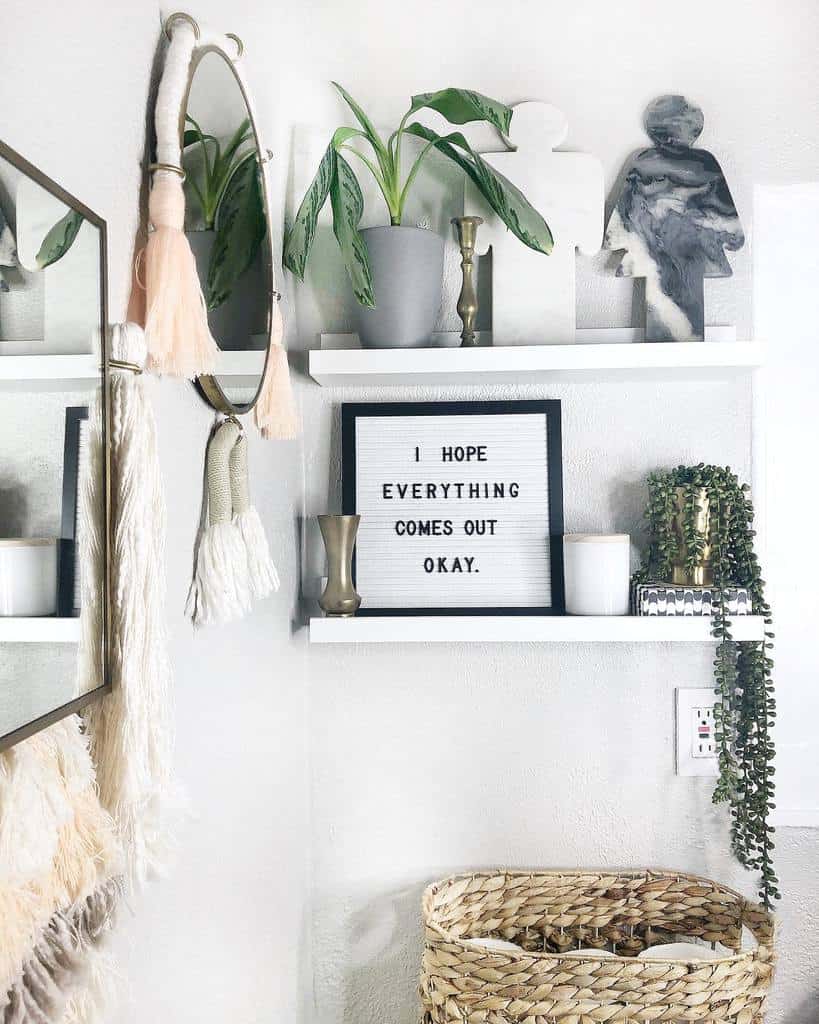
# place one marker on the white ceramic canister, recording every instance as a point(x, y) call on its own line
point(28, 577)
point(596, 568)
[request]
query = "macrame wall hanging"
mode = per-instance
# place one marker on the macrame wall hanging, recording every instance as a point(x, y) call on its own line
point(232, 563)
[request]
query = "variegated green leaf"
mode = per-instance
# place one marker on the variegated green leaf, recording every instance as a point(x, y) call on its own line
point(459, 106)
point(508, 202)
point(369, 129)
point(240, 228)
point(59, 239)
point(299, 236)
point(348, 206)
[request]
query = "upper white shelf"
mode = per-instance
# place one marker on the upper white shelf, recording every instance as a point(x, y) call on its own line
point(39, 630)
point(334, 366)
point(48, 372)
point(556, 629)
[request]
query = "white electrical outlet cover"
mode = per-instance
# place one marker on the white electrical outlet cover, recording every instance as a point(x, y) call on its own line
point(695, 732)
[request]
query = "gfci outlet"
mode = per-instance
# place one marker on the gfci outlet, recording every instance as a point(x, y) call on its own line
point(696, 744)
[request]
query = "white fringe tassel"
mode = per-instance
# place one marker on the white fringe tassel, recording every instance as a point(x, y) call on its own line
point(131, 731)
point(261, 572)
point(220, 591)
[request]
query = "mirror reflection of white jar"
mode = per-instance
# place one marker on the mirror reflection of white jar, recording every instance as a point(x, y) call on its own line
point(28, 577)
point(596, 568)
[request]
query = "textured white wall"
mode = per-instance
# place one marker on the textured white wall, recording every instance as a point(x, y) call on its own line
point(423, 761)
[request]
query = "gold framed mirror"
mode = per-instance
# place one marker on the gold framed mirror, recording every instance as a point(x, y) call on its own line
point(227, 221)
point(55, 503)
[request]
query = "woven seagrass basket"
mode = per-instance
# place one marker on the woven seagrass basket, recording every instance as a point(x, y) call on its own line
point(549, 913)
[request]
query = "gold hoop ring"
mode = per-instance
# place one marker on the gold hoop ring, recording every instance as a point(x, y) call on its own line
point(181, 16)
point(240, 46)
point(168, 167)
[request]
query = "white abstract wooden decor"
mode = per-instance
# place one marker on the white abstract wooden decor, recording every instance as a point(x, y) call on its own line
point(533, 296)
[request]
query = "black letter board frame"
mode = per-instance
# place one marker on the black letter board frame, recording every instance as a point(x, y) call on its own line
point(550, 408)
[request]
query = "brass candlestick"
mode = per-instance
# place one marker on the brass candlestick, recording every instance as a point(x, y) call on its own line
point(339, 597)
point(467, 307)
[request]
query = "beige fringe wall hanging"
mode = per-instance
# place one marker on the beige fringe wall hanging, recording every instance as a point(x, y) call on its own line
point(60, 860)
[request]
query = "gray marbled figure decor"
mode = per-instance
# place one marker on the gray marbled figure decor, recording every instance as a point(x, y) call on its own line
point(674, 219)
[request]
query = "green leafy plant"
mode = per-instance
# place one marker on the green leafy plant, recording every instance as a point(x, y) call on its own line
point(746, 708)
point(335, 177)
point(59, 239)
point(227, 186)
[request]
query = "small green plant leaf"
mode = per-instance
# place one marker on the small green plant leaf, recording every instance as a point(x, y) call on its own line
point(369, 128)
point(299, 237)
point(240, 228)
point(348, 206)
point(508, 202)
point(460, 106)
point(59, 239)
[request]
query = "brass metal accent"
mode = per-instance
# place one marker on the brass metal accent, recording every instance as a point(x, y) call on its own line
point(467, 228)
point(702, 575)
point(121, 364)
point(339, 598)
point(240, 46)
point(168, 167)
point(182, 16)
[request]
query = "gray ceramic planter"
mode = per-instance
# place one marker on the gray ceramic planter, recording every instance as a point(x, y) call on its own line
point(407, 266)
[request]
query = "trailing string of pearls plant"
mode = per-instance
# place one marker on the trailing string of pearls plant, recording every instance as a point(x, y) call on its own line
point(746, 708)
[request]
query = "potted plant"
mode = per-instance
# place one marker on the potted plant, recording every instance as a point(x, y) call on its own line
point(225, 226)
point(701, 529)
point(396, 270)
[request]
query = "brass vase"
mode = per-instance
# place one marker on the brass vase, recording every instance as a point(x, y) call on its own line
point(467, 228)
point(702, 574)
point(339, 597)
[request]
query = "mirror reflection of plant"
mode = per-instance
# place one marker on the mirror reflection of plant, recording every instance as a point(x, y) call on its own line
point(227, 186)
point(335, 177)
point(746, 709)
point(59, 239)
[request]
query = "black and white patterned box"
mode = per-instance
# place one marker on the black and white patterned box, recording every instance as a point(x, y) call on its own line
point(667, 599)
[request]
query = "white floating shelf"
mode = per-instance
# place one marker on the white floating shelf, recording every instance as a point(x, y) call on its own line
point(48, 372)
point(546, 629)
point(39, 631)
point(354, 367)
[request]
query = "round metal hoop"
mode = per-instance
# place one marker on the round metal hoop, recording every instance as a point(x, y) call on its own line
point(182, 16)
point(240, 46)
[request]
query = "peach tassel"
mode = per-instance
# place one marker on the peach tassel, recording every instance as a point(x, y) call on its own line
point(275, 411)
point(176, 325)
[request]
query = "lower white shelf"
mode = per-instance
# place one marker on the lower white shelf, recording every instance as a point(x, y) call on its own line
point(545, 629)
point(39, 631)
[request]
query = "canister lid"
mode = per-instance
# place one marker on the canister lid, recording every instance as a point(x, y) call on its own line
point(596, 538)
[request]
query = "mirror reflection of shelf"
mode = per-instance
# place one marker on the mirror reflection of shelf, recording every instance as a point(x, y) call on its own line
point(556, 629)
point(48, 372)
point(39, 630)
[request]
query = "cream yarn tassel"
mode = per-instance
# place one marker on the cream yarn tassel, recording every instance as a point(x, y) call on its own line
point(131, 731)
point(220, 591)
point(261, 572)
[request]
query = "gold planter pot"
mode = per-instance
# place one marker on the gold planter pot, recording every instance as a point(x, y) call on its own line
point(702, 575)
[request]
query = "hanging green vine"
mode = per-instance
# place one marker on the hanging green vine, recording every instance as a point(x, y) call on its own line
point(745, 709)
